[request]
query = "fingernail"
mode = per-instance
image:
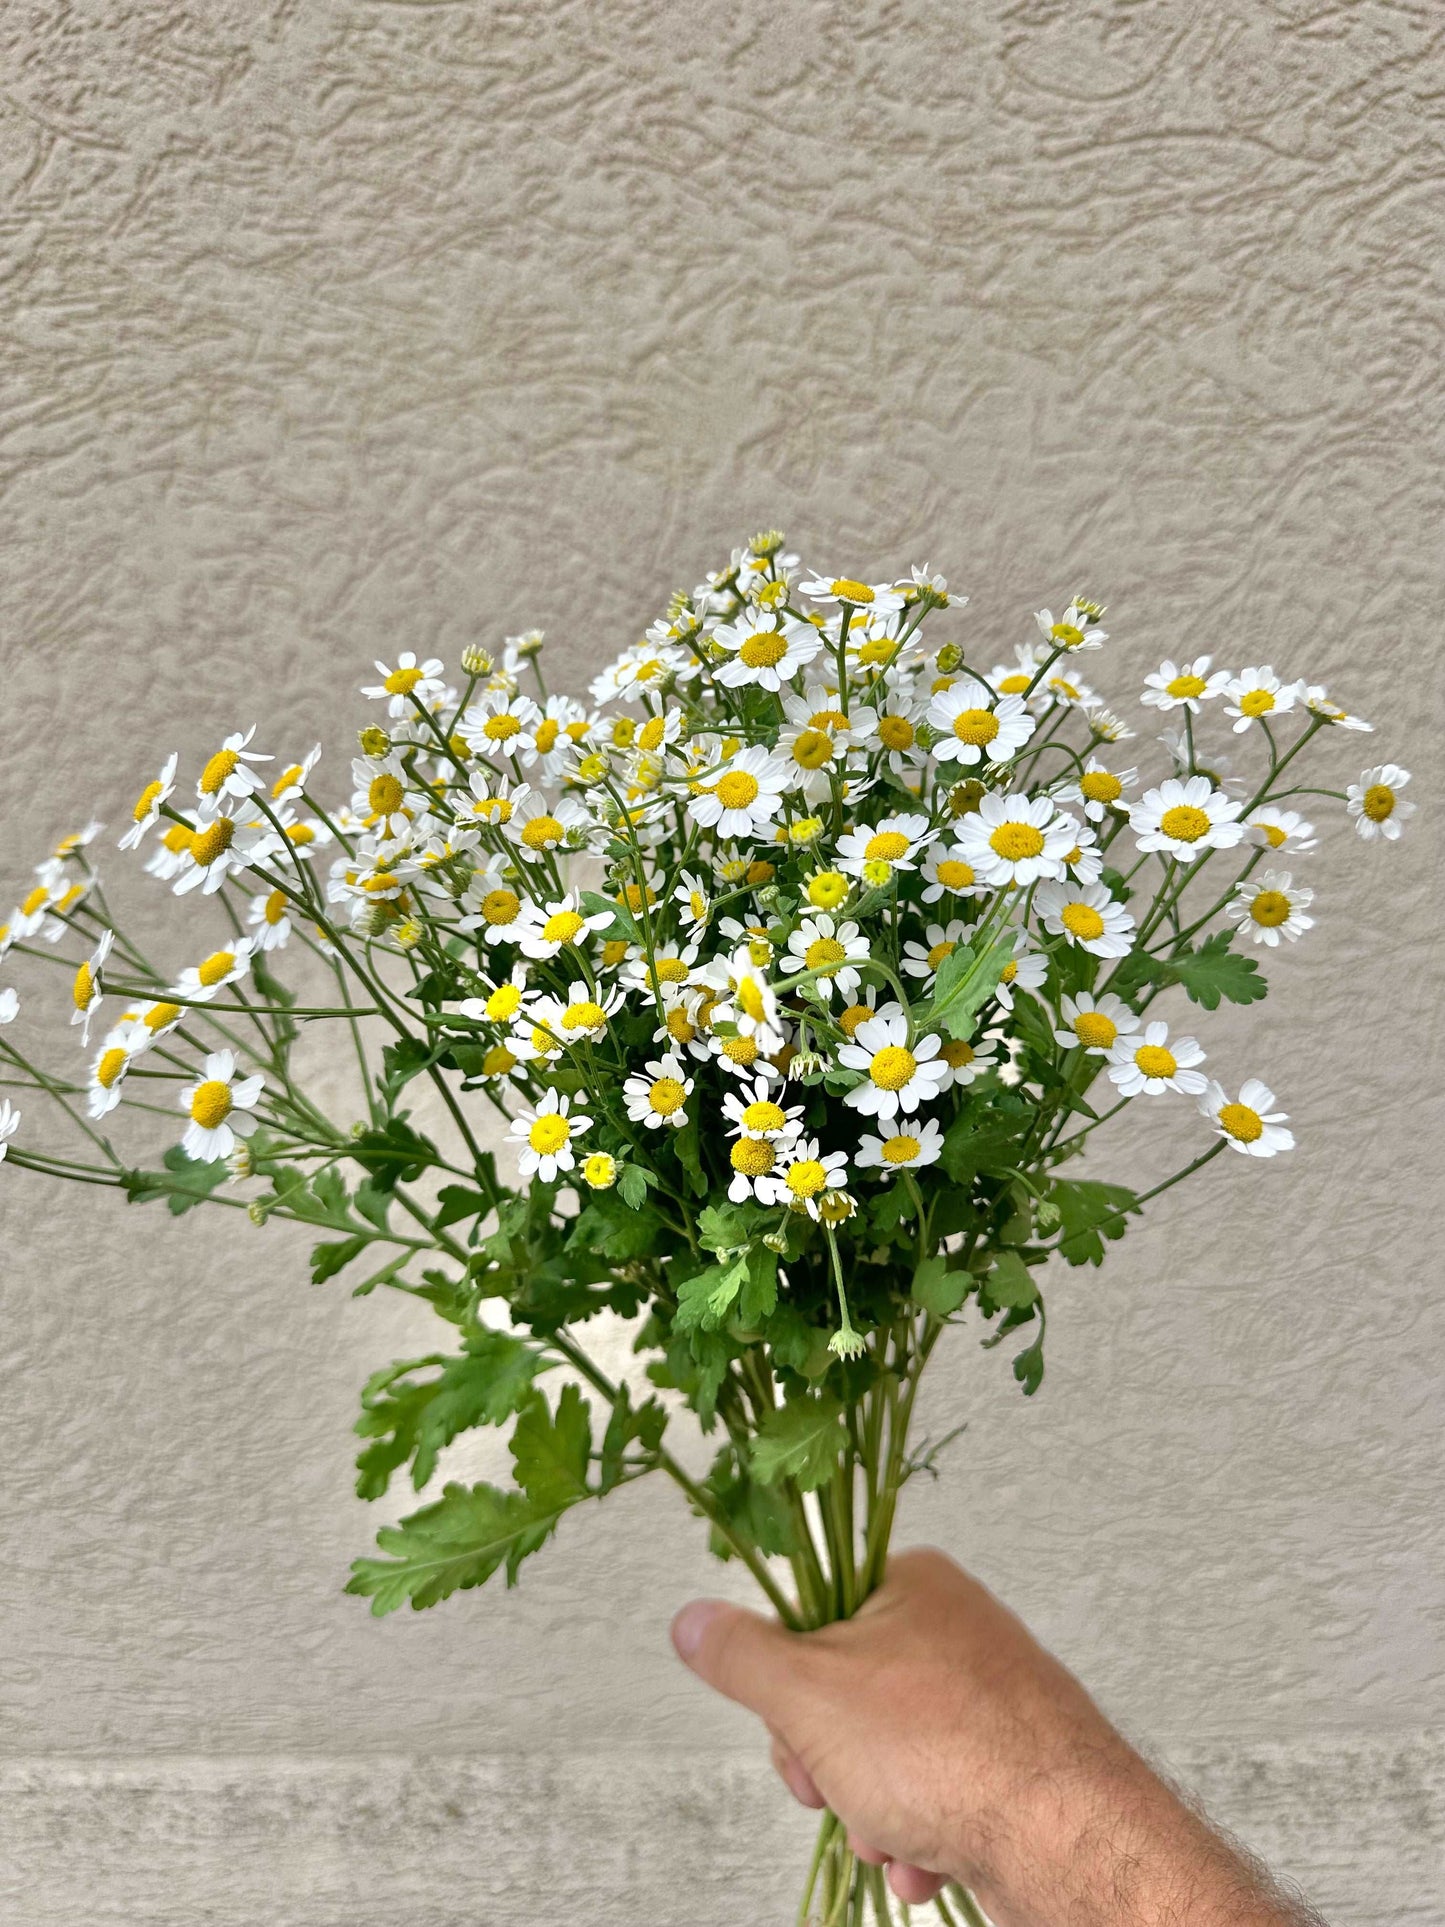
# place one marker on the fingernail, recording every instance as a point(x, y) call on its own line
point(690, 1626)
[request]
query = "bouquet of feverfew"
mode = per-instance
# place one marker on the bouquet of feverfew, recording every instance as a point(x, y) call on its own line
point(767, 1001)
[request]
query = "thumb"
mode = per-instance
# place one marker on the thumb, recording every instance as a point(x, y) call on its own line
point(740, 1654)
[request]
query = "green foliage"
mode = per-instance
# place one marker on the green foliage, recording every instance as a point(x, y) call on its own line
point(802, 1441)
point(1009, 1284)
point(328, 1259)
point(627, 1425)
point(966, 980)
point(183, 1184)
point(938, 1289)
point(393, 1153)
point(1089, 1212)
point(551, 1451)
point(458, 1542)
point(1208, 974)
point(705, 1299)
point(614, 1228)
point(410, 1420)
point(758, 1513)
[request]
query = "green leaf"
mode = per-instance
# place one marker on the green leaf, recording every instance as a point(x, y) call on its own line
point(722, 1227)
point(550, 1453)
point(965, 982)
point(759, 1293)
point(986, 1139)
point(1029, 1366)
point(393, 1153)
point(184, 1184)
point(1010, 1283)
point(626, 1426)
point(622, 924)
point(1212, 972)
point(1089, 1212)
point(802, 1440)
point(456, 1203)
point(938, 1289)
point(632, 1186)
point(452, 1545)
point(703, 1301)
point(412, 1420)
point(328, 1259)
point(611, 1227)
point(407, 1058)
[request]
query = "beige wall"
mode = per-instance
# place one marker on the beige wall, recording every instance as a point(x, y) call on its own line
point(335, 328)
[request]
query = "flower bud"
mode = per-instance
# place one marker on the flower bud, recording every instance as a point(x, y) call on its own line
point(374, 740)
point(476, 661)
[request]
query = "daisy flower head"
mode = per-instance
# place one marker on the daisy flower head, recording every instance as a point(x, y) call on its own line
point(765, 650)
point(88, 989)
point(680, 1030)
point(599, 1171)
point(198, 983)
point(558, 926)
point(940, 941)
point(380, 794)
point(659, 1095)
point(1085, 862)
point(9, 1121)
point(973, 724)
point(906, 1149)
point(547, 1134)
point(496, 724)
point(1105, 726)
point(1097, 790)
point(494, 908)
point(668, 966)
point(1076, 628)
point(552, 742)
point(806, 1173)
point(217, 847)
point(832, 950)
point(1269, 909)
point(1316, 700)
point(1184, 685)
point(1094, 1024)
point(692, 894)
point(1026, 969)
point(107, 1071)
point(948, 872)
point(1017, 839)
point(1148, 1062)
point(289, 786)
point(1375, 804)
point(753, 1113)
point(229, 773)
point(648, 664)
point(270, 920)
point(1186, 817)
point(899, 1076)
point(873, 598)
point(896, 731)
point(754, 1161)
point(148, 804)
point(1284, 831)
point(503, 1001)
point(583, 1017)
point(1087, 915)
point(1258, 695)
point(873, 853)
point(219, 1108)
point(409, 681)
point(1250, 1124)
point(538, 826)
point(746, 794)
point(967, 1061)
point(750, 1003)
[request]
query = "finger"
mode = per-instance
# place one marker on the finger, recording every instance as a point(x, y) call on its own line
point(870, 1855)
point(796, 1777)
point(739, 1654)
point(914, 1886)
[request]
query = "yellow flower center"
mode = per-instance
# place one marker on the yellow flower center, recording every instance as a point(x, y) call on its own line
point(1155, 1061)
point(178, 837)
point(1241, 1122)
point(584, 1016)
point(679, 1026)
point(542, 832)
point(812, 749)
point(504, 1002)
point(37, 899)
point(159, 1016)
point(877, 872)
point(763, 1117)
point(750, 1000)
point(83, 990)
point(546, 733)
point(954, 875)
point(500, 906)
point(1009, 971)
point(828, 889)
point(886, 847)
point(896, 732)
point(613, 951)
point(217, 966)
point(1101, 786)
point(1013, 685)
point(213, 776)
point(1016, 841)
point(1185, 823)
point(740, 1050)
point(737, 789)
point(763, 649)
point(145, 802)
point(384, 796)
point(401, 682)
point(213, 842)
point(825, 954)
point(633, 896)
point(600, 1171)
point(760, 949)
point(965, 797)
point(829, 719)
point(1273, 834)
point(578, 730)
point(976, 726)
point(285, 780)
point(624, 729)
point(1067, 634)
point(562, 927)
point(1270, 908)
point(847, 590)
point(806, 1178)
point(892, 1067)
point(901, 1149)
point(670, 970)
point(1094, 1030)
point(501, 729)
point(958, 1055)
point(1182, 687)
point(1256, 702)
point(275, 907)
point(939, 951)
point(111, 1064)
point(1081, 920)
point(495, 809)
point(498, 1061)
point(211, 1103)
point(1379, 802)
point(549, 1133)
point(753, 1156)
point(852, 1017)
point(543, 1042)
point(877, 649)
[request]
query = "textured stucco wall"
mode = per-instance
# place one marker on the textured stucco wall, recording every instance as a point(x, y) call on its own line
point(332, 328)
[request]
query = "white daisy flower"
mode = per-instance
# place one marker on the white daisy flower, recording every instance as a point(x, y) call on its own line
point(493, 799)
point(1250, 1124)
point(745, 795)
point(270, 920)
point(896, 731)
point(380, 794)
point(749, 1002)
point(967, 1061)
point(290, 784)
point(1097, 790)
point(559, 925)
point(198, 983)
point(547, 1135)
point(1316, 700)
point(948, 872)
point(218, 847)
point(680, 1029)
point(158, 1018)
point(754, 1160)
point(9, 1005)
point(172, 852)
point(503, 1001)
point(148, 804)
point(669, 966)
point(493, 909)
point(833, 949)
point(873, 853)
point(1284, 831)
point(1257, 695)
point(1269, 909)
point(1017, 839)
point(423, 681)
point(812, 757)
point(88, 989)
point(9, 1120)
point(765, 650)
point(940, 941)
point(583, 1017)
point(805, 1173)
point(692, 894)
point(817, 708)
point(1085, 862)
point(107, 1072)
point(756, 1114)
point(1087, 915)
point(646, 665)
point(1184, 685)
point(1374, 802)
point(539, 826)
point(900, 1075)
point(1094, 1024)
point(497, 723)
point(1150, 1063)
point(219, 1108)
point(1105, 726)
point(875, 598)
point(755, 935)
point(1016, 678)
point(972, 723)
point(1186, 818)
point(1076, 628)
point(1026, 969)
point(551, 741)
point(913, 1145)
point(229, 773)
